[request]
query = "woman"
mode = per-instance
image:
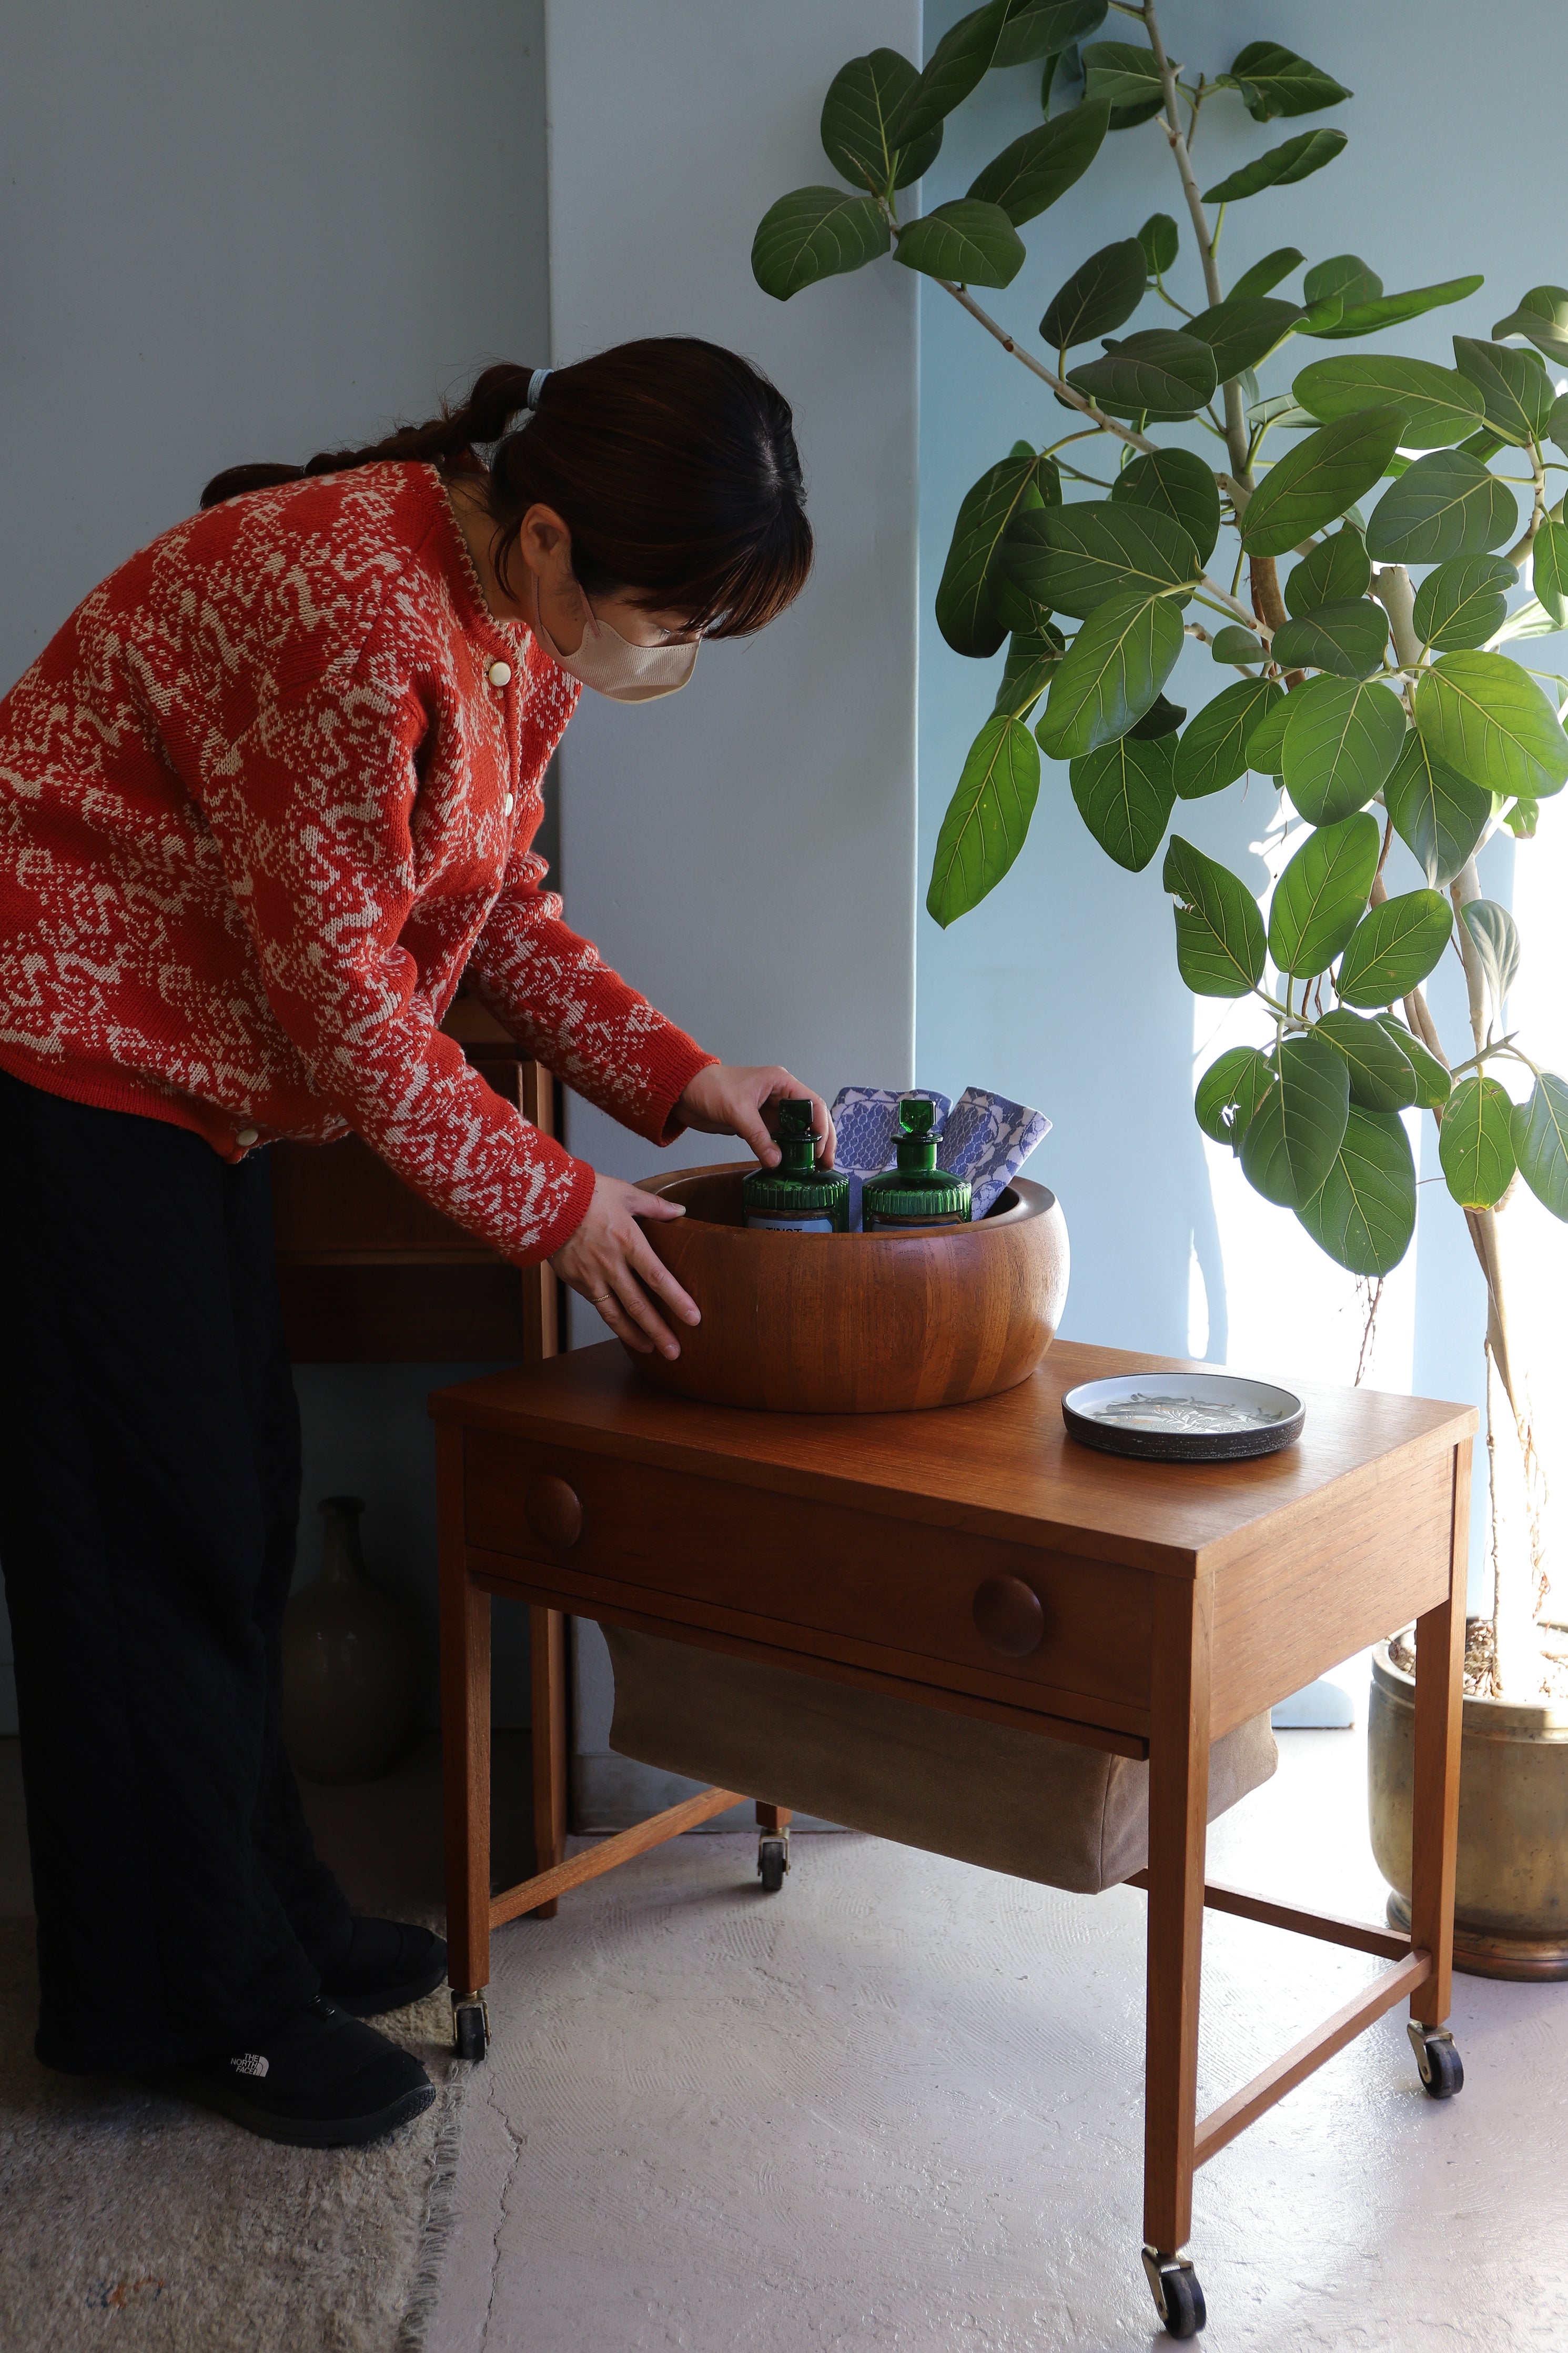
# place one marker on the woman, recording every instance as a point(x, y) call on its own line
point(264, 798)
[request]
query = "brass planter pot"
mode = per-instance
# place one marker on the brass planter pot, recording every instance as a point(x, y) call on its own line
point(1511, 1909)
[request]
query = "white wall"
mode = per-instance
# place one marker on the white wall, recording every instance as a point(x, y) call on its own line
point(745, 852)
point(1062, 988)
point(233, 232)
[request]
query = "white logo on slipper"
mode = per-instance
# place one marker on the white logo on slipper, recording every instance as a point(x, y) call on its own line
point(250, 2063)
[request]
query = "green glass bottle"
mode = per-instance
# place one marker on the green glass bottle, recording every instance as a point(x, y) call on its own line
point(917, 1192)
point(797, 1197)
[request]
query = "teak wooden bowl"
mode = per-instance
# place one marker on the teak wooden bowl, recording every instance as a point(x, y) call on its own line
point(857, 1323)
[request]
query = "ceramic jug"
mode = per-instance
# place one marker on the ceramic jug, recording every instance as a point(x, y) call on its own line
point(350, 1664)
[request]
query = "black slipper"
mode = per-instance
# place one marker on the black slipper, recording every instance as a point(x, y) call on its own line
point(387, 1964)
point(320, 2080)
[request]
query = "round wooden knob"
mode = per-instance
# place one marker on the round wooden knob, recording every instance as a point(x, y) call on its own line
point(553, 1513)
point(1009, 1617)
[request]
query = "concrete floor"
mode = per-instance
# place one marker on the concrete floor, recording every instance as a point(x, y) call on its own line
point(898, 2106)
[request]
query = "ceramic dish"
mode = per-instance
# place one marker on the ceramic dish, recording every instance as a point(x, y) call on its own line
point(1183, 1417)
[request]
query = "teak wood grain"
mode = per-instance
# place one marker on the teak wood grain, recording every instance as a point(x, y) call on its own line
point(837, 1570)
point(1136, 1607)
point(1003, 1468)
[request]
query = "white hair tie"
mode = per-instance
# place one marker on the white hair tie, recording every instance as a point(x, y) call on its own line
point(536, 386)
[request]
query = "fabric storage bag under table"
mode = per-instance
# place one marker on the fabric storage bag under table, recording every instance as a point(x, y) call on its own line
point(991, 1794)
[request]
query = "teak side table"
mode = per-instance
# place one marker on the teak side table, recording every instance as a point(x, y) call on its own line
point(1176, 1600)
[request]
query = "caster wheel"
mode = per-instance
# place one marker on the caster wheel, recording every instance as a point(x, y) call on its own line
point(772, 1862)
point(1442, 2070)
point(1185, 2313)
point(1178, 2299)
point(470, 2029)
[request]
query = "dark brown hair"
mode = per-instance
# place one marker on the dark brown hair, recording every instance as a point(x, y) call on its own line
point(672, 462)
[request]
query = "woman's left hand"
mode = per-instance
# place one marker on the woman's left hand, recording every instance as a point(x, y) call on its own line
point(728, 1098)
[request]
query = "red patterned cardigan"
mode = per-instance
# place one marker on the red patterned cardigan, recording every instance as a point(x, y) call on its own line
point(262, 799)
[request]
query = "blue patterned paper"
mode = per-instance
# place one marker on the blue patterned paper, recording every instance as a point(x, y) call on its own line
point(985, 1138)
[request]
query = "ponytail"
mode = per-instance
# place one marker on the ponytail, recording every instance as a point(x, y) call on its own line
point(672, 462)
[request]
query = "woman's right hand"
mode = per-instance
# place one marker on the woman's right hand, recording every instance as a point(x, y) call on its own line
point(608, 1262)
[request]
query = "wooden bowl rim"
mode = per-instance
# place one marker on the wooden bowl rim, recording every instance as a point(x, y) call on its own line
point(1034, 1201)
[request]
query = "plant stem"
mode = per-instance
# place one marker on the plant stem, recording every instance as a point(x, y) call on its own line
point(1522, 551)
point(1058, 384)
point(1391, 587)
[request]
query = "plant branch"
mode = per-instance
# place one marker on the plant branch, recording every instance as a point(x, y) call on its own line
point(1522, 551)
point(1058, 384)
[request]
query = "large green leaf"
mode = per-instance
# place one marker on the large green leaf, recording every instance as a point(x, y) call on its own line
point(987, 818)
point(1308, 151)
point(1348, 638)
point(1514, 387)
point(1071, 559)
point(1243, 331)
point(1342, 738)
point(1042, 28)
point(1032, 659)
point(1213, 752)
point(1432, 1084)
point(1382, 1077)
point(1161, 718)
point(1463, 602)
point(1538, 1130)
point(1364, 1213)
point(1390, 310)
point(1441, 404)
point(1122, 73)
point(1495, 936)
point(1488, 718)
point(1178, 485)
point(963, 610)
point(1393, 948)
point(1438, 812)
point(1346, 275)
point(861, 99)
point(1444, 505)
point(975, 243)
point(1044, 164)
point(1110, 674)
point(1125, 793)
point(1220, 931)
point(1549, 575)
point(1474, 1143)
point(1100, 296)
point(1233, 644)
point(1266, 738)
point(1337, 567)
point(1161, 241)
point(1229, 1093)
point(955, 67)
point(1298, 1125)
point(1542, 315)
point(1160, 373)
point(815, 233)
point(1323, 475)
point(1265, 275)
point(1322, 896)
point(1273, 81)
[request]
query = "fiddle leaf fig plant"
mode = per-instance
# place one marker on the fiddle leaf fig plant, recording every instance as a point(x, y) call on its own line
point(1362, 542)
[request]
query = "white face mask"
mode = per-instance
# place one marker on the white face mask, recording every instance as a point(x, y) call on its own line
point(612, 665)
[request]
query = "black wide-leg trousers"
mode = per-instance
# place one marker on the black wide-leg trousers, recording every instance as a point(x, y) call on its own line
point(149, 1500)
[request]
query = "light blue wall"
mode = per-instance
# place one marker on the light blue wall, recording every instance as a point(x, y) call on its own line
point(1062, 988)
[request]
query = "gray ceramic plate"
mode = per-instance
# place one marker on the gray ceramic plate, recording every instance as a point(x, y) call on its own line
point(1183, 1417)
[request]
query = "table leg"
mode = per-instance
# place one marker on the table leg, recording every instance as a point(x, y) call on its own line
point(547, 1646)
point(772, 1818)
point(1439, 1716)
point(465, 1731)
point(1178, 1833)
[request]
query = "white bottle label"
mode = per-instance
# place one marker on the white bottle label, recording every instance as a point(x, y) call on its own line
point(789, 1225)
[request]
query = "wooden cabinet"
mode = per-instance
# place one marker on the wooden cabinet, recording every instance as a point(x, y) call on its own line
point(370, 1273)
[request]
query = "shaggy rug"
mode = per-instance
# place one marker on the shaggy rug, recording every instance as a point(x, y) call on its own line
point(129, 2219)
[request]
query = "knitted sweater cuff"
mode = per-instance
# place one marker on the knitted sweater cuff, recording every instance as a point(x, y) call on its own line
point(562, 1226)
point(674, 1063)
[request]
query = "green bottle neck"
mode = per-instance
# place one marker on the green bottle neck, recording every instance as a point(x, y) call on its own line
point(797, 1156)
point(917, 1155)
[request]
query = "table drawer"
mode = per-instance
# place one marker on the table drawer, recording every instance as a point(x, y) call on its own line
point(1044, 1618)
